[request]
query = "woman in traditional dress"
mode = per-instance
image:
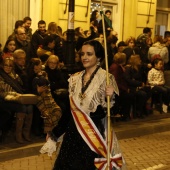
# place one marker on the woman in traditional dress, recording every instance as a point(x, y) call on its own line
point(84, 138)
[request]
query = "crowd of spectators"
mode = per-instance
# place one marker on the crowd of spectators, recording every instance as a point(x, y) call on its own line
point(32, 63)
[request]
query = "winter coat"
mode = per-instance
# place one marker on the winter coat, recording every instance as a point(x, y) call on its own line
point(160, 49)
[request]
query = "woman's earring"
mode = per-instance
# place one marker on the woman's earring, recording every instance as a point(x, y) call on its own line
point(98, 62)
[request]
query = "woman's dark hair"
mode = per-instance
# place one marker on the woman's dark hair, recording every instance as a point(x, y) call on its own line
point(108, 11)
point(98, 48)
point(112, 39)
point(146, 30)
point(5, 49)
point(41, 22)
point(93, 15)
point(155, 59)
point(33, 62)
point(19, 23)
point(48, 39)
point(77, 31)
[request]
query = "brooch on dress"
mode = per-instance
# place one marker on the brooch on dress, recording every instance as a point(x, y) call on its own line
point(82, 96)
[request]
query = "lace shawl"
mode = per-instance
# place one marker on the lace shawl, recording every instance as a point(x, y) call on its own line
point(95, 93)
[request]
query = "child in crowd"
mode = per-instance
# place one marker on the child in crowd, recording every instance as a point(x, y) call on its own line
point(50, 111)
point(157, 82)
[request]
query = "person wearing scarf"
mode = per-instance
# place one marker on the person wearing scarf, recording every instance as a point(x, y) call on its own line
point(10, 90)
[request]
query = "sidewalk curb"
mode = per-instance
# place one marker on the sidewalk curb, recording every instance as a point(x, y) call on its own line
point(123, 130)
point(20, 152)
point(139, 129)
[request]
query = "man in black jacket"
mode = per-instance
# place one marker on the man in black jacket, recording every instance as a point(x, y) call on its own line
point(38, 37)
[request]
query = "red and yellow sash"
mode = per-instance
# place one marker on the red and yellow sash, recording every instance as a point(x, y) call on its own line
point(93, 138)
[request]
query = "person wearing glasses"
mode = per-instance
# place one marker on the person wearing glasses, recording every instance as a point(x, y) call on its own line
point(10, 91)
point(22, 43)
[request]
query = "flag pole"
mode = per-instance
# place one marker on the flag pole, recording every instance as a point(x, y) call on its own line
point(108, 97)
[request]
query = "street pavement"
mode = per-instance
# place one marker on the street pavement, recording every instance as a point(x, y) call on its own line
point(145, 145)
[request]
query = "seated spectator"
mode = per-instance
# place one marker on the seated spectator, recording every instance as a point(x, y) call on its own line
point(9, 48)
point(6, 118)
point(131, 48)
point(58, 82)
point(10, 90)
point(125, 99)
point(20, 68)
point(135, 78)
point(50, 111)
point(157, 82)
point(121, 45)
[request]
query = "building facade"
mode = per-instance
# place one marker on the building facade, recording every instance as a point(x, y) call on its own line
point(129, 17)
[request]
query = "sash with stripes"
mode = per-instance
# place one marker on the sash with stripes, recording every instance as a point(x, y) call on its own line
point(93, 138)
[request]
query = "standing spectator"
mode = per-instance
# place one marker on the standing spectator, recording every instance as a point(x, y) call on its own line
point(27, 24)
point(148, 32)
point(158, 48)
point(47, 48)
point(94, 20)
point(18, 23)
point(22, 43)
point(107, 22)
point(111, 48)
point(58, 48)
point(38, 38)
point(167, 43)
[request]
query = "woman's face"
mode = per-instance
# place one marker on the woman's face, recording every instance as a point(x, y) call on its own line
point(11, 46)
point(97, 15)
point(131, 44)
point(38, 68)
point(53, 63)
point(88, 56)
point(8, 66)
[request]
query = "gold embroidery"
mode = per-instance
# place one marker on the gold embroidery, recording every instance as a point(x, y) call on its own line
point(81, 96)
